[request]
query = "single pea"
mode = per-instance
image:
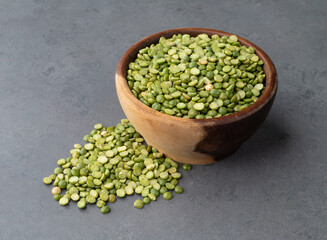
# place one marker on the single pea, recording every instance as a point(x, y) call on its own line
point(255, 58)
point(102, 159)
point(112, 198)
point(154, 191)
point(73, 180)
point(178, 189)
point(226, 68)
point(139, 189)
point(233, 38)
point(89, 146)
point(163, 190)
point(97, 182)
point(56, 190)
point(181, 105)
point(75, 197)
point(81, 204)
point(75, 172)
point(94, 193)
point(109, 186)
point(161, 182)
point(214, 93)
point(62, 184)
point(138, 203)
point(192, 113)
point(121, 193)
point(172, 170)
point(73, 190)
point(156, 186)
point(163, 175)
point(167, 195)
point(169, 111)
point(145, 192)
point(57, 197)
point(61, 161)
point(104, 196)
point(152, 197)
point(176, 175)
point(199, 106)
point(255, 91)
point(77, 146)
point(112, 191)
point(67, 195)
point(146, 200)
point(170, 186)
point(195, 71)
point(100, 203)
point(86, 138)
point(83, 194)
point(69, 186)
point(53, 176)
point(145, 182)
point(63, 201)
point(105, 209)
point(223, 110)
point(259, 86)
point(47, 180)
point(187, 167)
point(129, 190)
point(174, 181)
point(98, 126)
point(57, 170)
point(90, 199)
point(149, 175)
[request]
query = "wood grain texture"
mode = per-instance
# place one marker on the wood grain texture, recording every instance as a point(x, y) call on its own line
point(194, 141)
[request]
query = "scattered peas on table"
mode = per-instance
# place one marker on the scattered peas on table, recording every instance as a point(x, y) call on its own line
point(197, 77)
point(114, 162)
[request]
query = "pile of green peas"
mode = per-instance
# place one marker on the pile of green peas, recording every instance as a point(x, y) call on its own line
point(113, 163)
point(197, 77)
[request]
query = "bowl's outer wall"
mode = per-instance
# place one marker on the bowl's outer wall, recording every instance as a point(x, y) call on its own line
point(222, 140)
point(193, 141)
point(177, 141)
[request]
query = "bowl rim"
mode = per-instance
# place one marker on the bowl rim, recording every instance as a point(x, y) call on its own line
point(269, 69)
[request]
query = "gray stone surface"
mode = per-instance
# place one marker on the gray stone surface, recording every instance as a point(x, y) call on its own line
point(57, 64)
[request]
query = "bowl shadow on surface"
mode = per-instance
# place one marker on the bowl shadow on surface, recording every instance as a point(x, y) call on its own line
point(272, 139)
point(248, 169)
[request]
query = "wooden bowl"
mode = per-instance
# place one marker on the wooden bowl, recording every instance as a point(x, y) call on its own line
point(194, 141)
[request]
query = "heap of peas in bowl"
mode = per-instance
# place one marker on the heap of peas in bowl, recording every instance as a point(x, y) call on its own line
point(197, 77)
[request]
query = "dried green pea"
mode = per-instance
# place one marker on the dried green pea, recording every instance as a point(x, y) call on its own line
point(138, 203)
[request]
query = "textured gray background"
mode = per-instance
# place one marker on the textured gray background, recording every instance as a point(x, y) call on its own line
point(57, 65)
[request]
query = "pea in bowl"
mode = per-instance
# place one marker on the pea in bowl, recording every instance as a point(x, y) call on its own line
point(205, 114)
